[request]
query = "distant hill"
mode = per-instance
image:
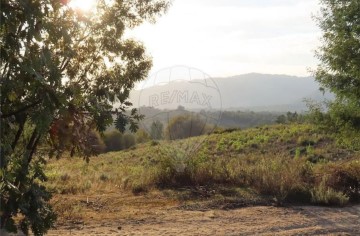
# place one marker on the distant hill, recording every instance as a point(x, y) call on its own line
point(255, 92)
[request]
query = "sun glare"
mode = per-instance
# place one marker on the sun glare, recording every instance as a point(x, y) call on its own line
point(83, 5)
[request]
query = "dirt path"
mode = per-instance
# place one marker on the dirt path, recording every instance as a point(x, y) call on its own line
point(261, 220)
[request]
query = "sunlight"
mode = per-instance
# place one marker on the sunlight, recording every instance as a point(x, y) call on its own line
point(83, 5)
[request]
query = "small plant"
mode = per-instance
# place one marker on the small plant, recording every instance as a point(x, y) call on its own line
point(154, 143)
point(65, 177)
point(302, 141)
point(138, 188)
point(325, 195)
point(104, 177)
point(87, 185)
point(310, 150)
point(328, 196)
point(221, 145)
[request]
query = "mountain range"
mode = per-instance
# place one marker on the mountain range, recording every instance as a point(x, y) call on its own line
point(251, 92)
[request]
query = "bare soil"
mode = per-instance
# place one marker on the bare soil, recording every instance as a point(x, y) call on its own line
point(155, 214)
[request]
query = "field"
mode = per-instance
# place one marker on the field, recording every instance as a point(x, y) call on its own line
point(239, 179)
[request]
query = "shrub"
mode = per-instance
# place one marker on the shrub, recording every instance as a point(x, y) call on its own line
point(142, 136)
point(94, 143)
point(305, 141)
point(172, 169)
point(138, 188)
point(65, 177)
point(104, 177)
point(128, 141)
point(154, 143)
point(344, 177)
point(325, 195)
point(181, 127)
point(113, 141)
point(278, 176)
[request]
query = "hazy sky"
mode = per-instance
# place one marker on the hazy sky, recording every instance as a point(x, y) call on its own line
point(231, 37)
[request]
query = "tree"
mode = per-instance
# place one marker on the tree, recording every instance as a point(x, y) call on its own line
point(142, 136)
point(156, 130)
point(339, 70)
point(62, 71)
point(281, 119)
point(129, 140)
point(94, 143)
point(186, 126)
point(113, 141)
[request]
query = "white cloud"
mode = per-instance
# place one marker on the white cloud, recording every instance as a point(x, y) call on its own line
point(233, 37)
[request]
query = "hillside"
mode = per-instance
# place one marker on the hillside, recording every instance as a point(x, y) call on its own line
point(204, 160)
point(266, 166)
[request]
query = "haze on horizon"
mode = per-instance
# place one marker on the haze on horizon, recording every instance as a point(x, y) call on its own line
point(231, 37)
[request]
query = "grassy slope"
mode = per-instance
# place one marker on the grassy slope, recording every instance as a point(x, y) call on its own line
point(283, 162)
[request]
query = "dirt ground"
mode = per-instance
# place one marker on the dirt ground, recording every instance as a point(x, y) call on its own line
point(156, 215)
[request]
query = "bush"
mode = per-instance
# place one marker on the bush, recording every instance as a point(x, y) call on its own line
point(65, 177)
point(181, 127)
point(343, 177)
point(138, 188)
point(104, 177)
point(94, 143)
point(128, 141)
point(325, 195)
point(113, 141)
point(278, 177)
point(142, 136)
point(154, 143)
point(172, 169)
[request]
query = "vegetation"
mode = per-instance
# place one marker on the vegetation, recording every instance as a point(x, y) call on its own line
point(245, 119)
point(57, 87)
point(142, 136)
point(113, 141)
point(186, 126)
point(95, 143)
point(62, 73)
point(264, 160)
point(339, 69)
point(290, 117)
point(157, 130)
point(226, 119)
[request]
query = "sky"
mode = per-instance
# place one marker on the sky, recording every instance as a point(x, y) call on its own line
point(231, 37)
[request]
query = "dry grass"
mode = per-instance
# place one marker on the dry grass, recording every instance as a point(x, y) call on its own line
point(294, 163)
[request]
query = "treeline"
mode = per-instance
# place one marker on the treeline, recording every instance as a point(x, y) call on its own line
point(246, 119)
point(225, 119)
point(179, 127)
point(184, 124)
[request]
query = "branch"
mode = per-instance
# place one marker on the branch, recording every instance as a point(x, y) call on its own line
point(33, 149)
point(64, 64)
point(18, 134)
point(20, 110)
